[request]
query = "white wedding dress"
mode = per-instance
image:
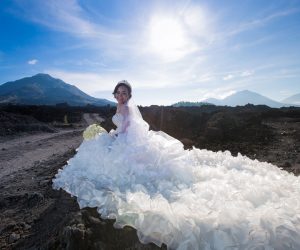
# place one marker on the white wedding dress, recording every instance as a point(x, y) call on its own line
point(187, 199)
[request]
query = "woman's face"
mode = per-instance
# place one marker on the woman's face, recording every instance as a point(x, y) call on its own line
point(122, 95)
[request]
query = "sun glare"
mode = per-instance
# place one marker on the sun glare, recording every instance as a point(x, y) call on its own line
point(166, 37)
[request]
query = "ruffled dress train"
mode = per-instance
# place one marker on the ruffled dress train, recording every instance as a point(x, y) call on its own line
point(187, 199)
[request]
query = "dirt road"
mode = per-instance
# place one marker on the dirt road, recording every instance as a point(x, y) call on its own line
point(23, 152)
point(28, 164)
point(20, 153)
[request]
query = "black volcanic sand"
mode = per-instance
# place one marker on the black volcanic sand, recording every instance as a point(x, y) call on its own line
point(34, 216)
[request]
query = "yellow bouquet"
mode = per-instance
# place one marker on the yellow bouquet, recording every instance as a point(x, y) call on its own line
point(92, 131)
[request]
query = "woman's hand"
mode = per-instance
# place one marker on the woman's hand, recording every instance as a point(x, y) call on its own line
point(113, 133)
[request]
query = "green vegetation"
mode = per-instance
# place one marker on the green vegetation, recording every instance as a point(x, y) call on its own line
point(190, 104)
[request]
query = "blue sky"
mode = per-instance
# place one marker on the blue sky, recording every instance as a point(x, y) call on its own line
point(169, 50)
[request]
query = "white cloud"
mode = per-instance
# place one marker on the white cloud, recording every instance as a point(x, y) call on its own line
point(218, 93)
point(237, 74)
point(286, 93)
point(87, 82)
point(259, 22)
point(225, 94)
point(32, 62)
point(247, 73)
point(228, 77)
point(254, 42)
point(64, 16)
point(191, 33)
point(199, 23)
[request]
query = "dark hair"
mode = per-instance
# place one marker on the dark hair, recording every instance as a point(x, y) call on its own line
point(125, 84)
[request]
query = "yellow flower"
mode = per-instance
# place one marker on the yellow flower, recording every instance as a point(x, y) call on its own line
point(92, 131)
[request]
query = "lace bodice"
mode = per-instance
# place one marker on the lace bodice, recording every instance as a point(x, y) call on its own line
point(117, 119)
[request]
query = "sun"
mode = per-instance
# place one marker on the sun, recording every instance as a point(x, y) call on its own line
point(166, 37)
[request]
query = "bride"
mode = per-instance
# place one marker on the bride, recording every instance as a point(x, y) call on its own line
point(187, 199)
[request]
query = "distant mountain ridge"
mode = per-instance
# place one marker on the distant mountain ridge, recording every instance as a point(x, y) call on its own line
point(294, 99)
point(43, 89)
point(244, 97)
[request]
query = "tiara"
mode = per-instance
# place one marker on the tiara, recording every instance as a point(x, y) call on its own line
point(124, 81)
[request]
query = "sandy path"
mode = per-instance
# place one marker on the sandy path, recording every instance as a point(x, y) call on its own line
point(26, 195)
point(27, 166)
point(23, 152)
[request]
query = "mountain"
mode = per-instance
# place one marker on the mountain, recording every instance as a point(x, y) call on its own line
point(294, 99)
point(42, 89)
point(244, 97)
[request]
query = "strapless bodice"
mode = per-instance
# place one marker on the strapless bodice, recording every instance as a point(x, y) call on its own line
point(117, 119)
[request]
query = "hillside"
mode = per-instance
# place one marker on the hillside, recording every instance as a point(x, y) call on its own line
point(43, 89)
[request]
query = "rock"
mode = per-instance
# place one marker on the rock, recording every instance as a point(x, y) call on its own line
point(3, 203)
point(73, 237)
point(213, 134)
point(14, 237)
point(34, 198)
point(44, 182)
point(286, 165)
point(25, 225)
point(94, 220)
point(80, 227)
point(99, 245)
point(188, 143)
point(12, 225)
